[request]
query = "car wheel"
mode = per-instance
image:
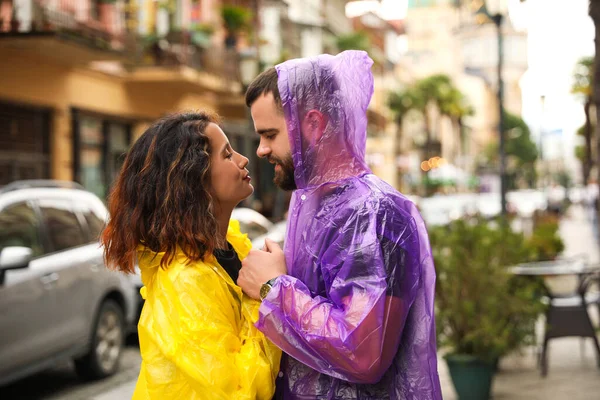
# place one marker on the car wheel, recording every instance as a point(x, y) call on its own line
point(107, 343)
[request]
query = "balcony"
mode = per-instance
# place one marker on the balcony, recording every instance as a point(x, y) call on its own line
point(74, 32)
point(179, 57)
point(105, 36)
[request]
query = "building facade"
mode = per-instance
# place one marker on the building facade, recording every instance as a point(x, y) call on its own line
point(80, 80)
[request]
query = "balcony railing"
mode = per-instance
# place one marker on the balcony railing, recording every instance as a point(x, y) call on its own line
point(112, 26)
point(100, 25)
point(178, 48)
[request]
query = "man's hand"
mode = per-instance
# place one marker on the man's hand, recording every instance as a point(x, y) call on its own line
point(260, 267)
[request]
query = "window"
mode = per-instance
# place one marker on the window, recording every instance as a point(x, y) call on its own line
point(100, 151)
point(24, 143)
point(92, 176)
point(62, 225)
point(19, 227)
point(95, 224)
point(118, 144)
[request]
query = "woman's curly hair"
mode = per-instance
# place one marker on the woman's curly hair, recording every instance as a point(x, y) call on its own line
point(161, 198)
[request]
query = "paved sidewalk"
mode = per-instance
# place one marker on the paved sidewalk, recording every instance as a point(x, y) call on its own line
point(573, 375)
point(124, 391)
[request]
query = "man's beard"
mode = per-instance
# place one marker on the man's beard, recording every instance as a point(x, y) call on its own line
point(285, 177)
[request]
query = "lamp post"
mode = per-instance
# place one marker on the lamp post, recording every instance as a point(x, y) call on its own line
point(495, 11)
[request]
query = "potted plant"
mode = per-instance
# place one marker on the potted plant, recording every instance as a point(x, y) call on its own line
point(545, 241)
point(236, 19)
point(482, 311)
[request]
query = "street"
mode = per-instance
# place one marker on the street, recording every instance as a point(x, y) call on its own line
point(62, 383)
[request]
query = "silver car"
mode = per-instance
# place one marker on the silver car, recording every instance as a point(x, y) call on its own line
point(258, 227)
point(57, 299)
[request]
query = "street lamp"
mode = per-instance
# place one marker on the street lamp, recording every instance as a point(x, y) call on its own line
point(495, 11)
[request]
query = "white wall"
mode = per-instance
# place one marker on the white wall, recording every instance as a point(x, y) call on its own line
point(311, 42)
point(271, 32)
point(305, 11)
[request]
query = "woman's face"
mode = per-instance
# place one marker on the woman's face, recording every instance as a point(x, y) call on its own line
point(228, 173)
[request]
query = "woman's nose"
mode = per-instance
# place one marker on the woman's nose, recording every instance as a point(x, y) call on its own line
point(243, 161)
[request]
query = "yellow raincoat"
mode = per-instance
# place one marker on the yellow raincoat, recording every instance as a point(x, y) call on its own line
point(197, 336)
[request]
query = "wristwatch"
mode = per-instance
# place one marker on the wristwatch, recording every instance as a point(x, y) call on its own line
point(266, 288)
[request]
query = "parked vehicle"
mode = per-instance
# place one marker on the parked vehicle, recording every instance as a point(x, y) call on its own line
point(57, 299)
point(258, 227)
point(276, 234)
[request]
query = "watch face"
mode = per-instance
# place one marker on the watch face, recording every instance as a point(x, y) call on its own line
point(264, 290)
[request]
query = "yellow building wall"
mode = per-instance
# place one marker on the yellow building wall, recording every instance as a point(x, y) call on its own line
point(38, 82)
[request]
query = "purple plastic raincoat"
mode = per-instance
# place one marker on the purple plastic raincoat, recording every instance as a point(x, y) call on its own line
point(355, 312)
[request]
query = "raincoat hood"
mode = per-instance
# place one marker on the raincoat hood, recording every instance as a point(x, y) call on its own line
point(329, 145)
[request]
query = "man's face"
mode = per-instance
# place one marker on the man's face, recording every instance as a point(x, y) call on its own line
point(274, 145)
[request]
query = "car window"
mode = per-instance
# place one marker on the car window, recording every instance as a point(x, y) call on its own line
point(95, 224)
point(19, 227)
point(62, 225)
point(253, 229)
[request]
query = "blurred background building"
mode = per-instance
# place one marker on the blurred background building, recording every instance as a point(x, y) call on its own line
point(81, 79)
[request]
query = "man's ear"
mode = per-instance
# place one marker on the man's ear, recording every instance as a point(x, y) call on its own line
point(313, 126)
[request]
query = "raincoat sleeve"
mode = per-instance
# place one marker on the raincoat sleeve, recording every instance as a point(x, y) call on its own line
point(354, 333)
point(197, 330)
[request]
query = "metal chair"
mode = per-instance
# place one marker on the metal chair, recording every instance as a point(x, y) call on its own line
point(567, 315)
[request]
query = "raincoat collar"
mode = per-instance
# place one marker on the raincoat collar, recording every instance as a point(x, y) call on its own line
point(148, 259)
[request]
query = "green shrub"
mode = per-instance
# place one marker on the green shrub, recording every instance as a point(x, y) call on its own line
point(481, 308)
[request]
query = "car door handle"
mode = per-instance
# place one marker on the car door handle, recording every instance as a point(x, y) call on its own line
point(50, 278)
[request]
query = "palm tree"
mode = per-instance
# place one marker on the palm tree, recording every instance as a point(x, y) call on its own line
point(582, 85)
point(439, 93)
point(433, 97)
point(456, 106)
point(401, 104)
point(432, 90)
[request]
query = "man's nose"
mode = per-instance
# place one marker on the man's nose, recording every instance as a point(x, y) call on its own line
point(262, 150)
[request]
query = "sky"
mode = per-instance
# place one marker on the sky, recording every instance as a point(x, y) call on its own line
point(559, 34)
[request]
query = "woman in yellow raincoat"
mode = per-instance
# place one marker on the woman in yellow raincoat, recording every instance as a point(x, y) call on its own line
point(170, 210)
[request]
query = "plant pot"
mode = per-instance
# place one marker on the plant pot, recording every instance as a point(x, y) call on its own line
point(231, 41)
point(472, 378)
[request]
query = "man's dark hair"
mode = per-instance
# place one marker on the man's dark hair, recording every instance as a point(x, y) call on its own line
point(264, 83)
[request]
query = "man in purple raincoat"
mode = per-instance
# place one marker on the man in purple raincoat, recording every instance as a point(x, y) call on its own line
point(350, 300)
